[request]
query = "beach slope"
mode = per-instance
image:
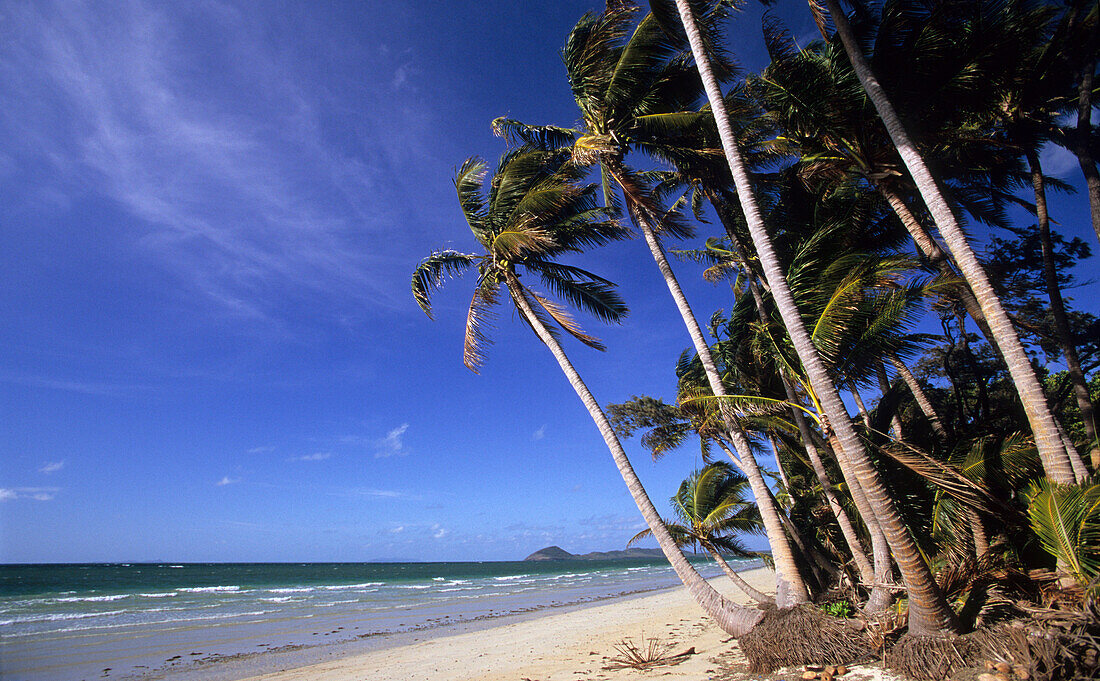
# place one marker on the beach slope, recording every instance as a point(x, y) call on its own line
point(565, 645)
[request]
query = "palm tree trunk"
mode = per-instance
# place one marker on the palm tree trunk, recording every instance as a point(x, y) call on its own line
point(820, 565)
point(943, 263)
point(791, 584)
point(928, 611)
point(884, 385)
point(732, 618)
point(1055, 458)
point(863, 415)
point(883, 576)
point(851, 537)
point(919, 395)
point(779, 463)
point(977, 531)
point(1083, 132)
point(1057, 306)
point(847, 529)
point(736, 578)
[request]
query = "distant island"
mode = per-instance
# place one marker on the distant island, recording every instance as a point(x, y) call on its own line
point(558, 553)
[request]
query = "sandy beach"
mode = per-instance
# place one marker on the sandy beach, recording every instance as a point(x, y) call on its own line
point(571, 645)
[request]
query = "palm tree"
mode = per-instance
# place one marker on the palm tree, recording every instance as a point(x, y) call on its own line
point(1035, 91)
point(635, 93)
point(1056, 458)
point(732, 261)
point(928, 611)
point(534, 211)
point(1084, 22)
point(858, 306)
point(711, 506)
point(812, 95)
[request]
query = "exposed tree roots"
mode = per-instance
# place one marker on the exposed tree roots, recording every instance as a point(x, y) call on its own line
point(1015, 652)
point(933, 658)
point(803, 635)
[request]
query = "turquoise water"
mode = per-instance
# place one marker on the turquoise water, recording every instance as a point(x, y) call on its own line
point(222, 620)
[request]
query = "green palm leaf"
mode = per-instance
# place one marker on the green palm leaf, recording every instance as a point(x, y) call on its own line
point(1066, 518)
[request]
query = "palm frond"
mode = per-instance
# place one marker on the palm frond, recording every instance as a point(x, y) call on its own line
point(1066, 519)
point(566, 321)
point(541, 137)
point(468, 182)
point(433, 271)
point(586, 291)
point(477, 319)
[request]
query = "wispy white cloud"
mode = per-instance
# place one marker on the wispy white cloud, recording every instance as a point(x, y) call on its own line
point(36, 493)
point(72, 386)
point(383, 493)
point(393, 444)
point(539, 434)
point(226, 481)
point(438, 532)
point(401, 76)
point(52, 467)
point(261, 450)
point(213, 139)
point(318, 456)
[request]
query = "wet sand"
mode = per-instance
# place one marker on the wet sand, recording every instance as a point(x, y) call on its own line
point(579, 644)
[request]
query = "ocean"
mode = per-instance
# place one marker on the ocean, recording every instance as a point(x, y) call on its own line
point(224, 621)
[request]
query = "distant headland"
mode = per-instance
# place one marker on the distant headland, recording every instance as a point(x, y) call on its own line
point(558, 553)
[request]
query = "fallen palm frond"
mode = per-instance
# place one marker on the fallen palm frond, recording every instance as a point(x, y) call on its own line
point(651, 652)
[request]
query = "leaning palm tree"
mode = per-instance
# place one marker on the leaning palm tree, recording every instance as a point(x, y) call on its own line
point(534, 211)
point(1048, 439)
point(634, 88)
point(711, 507)
point(929, 612)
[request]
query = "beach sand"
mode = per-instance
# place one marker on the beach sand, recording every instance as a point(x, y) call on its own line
point(570, 645)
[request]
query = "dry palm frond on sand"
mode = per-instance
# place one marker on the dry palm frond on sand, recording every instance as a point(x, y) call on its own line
point(651, 652)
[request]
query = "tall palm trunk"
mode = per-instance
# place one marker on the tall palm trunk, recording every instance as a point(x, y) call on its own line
point(791, 589)
point(943, 263)
point(736, 578)
point(1057, 306)
point(851, 537)
point(733, 619)
point(847, 529)
point(928, 611)
point(880, 545)
point(884, 385)
point(1056, 460)
point(863, 415)
point(977, 532)
point(919, 395)
point(1083, 133)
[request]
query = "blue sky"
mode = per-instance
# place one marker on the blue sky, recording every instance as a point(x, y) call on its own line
point(209, 215)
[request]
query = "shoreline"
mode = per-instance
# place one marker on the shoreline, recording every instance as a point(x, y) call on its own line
point(289, 659)
point(219, 622)
point(574, 642)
